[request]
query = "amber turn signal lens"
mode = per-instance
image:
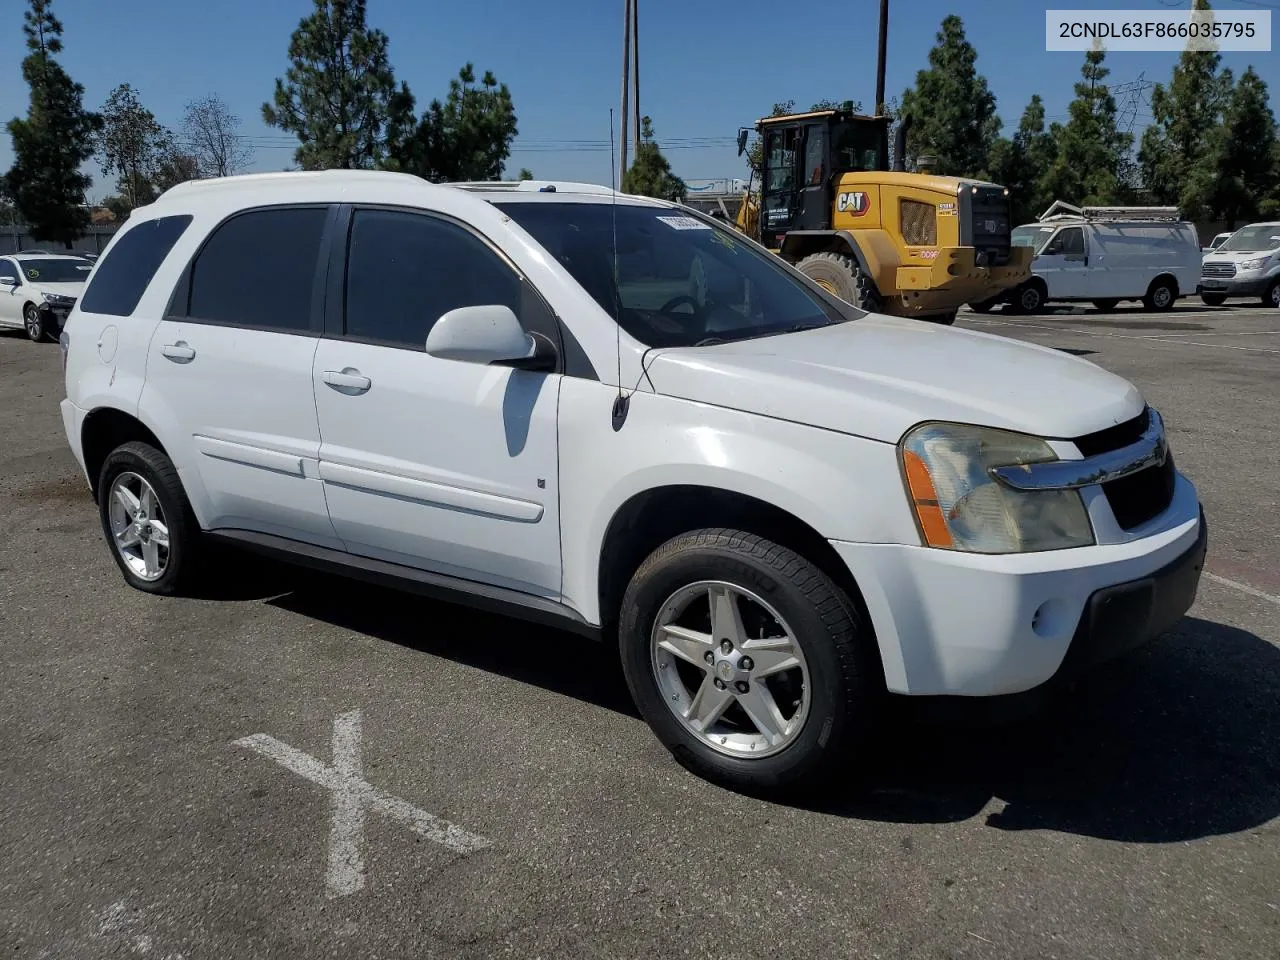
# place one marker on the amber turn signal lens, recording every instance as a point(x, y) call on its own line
point(925, 500)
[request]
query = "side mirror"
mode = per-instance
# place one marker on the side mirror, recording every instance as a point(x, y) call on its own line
point(488, 334)
point(8, 282)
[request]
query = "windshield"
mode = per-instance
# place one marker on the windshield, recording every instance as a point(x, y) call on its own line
point(680, 281)
point(1030, 236)
point(1261, 237)
point(55, 271)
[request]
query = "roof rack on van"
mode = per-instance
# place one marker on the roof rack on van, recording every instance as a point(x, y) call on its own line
point(531, 186)
point(1108, 214)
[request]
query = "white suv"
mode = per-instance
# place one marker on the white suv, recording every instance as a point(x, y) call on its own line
point(614, 414)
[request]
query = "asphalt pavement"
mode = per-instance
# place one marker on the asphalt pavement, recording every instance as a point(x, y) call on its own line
point(299, 766)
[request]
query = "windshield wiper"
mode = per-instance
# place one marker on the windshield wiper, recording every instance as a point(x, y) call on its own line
point(710, 341)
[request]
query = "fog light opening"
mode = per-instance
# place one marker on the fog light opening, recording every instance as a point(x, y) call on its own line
point(1050, 618)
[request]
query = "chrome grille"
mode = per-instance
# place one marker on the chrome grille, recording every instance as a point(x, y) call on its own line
point(1218, 270)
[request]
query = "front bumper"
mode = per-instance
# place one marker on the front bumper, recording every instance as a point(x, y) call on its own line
point(1238, 286)
point(974, 625)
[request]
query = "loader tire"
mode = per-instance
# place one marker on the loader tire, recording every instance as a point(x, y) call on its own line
point(841, 275)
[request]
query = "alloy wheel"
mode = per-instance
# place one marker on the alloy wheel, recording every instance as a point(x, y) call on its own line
point(730, 669)
point(138, 526)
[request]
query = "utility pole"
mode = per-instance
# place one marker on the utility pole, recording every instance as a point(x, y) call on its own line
point(884, 38)
point(625, 119)
point(635, 56)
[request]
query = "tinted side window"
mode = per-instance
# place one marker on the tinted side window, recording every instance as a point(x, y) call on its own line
point(259, 270)
point(406, 270)
point(123, 274)
point(1073, 242)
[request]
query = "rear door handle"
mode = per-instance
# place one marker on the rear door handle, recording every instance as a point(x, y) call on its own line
point(348, 380)
point(178, 352)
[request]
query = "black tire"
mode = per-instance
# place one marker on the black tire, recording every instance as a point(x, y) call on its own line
point(946, 319)
point(1161, 295)
point(33, 321)
point(1214, 299)
point(1272, 297)
point(846, 679)
point(1107, 304)
point(1028, 298)
point(186, 546)
point(841, 275)
point(984, 306)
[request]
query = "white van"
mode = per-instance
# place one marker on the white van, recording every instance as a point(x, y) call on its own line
point(1102, 255)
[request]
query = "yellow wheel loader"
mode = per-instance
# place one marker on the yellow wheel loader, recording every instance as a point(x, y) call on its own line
point(889, 241)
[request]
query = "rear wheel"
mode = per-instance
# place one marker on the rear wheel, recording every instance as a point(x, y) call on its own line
point(1108, 304)
point(751, 666)
point(841, 275)
point(984, 306)
point(1161, 295)
point(946, 319)
point(1214, 299)
point(1272, 297)
point(147, 519)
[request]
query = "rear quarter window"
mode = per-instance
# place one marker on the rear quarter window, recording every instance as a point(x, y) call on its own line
point(124, 273)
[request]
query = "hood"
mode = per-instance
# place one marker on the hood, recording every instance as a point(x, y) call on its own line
point(878, 376)
point(1238, 256)
point(66, 289)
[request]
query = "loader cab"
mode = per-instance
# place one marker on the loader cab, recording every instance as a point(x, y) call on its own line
point(804, 156)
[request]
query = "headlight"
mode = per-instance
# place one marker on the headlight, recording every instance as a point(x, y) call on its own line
point(59, 300)
point(959, 505)
point(1256, 264)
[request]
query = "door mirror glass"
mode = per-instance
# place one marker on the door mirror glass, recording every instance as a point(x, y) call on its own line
point(8, 281)
point(489, 333)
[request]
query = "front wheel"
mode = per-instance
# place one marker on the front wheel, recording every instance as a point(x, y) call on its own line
point(1214, 299)
point(1107, 304)
point(33, 322)
point(750, 665)
point(841, 275)
point(1161, 295)
point(1029, 298)
point(1272, 297)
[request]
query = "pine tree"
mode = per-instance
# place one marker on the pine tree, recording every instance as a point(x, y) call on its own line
point(650, 175)
point(55, 139)
point(1176, 155)
point(1092, 163)
point(952, 110)
point(467, 137)
point(1022, 162)
point(339, 95)
point(1245, 155)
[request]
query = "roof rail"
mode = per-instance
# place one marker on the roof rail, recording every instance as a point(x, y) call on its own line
point(1109, 214)
point(531, 186)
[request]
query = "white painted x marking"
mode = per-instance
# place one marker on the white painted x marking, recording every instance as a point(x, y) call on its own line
point(352, 796)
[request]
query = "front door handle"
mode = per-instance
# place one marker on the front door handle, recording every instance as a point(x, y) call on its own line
point(348, 380)
point(178, 352)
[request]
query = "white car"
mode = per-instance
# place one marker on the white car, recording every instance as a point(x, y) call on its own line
point(1103, 255)
point(615, 415)
point(1247, 265)
point(1216, 242)
point(37, 291)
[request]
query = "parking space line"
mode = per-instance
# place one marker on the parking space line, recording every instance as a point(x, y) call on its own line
point(352, 796)
point(1127, 336)
point(1243, 588)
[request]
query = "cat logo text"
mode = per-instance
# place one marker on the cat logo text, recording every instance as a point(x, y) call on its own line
point(855, 203)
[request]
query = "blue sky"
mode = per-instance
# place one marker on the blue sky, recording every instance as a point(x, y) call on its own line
point(706, 67)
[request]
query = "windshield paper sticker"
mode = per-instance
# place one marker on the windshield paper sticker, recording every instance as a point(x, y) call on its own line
point(684, 223)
